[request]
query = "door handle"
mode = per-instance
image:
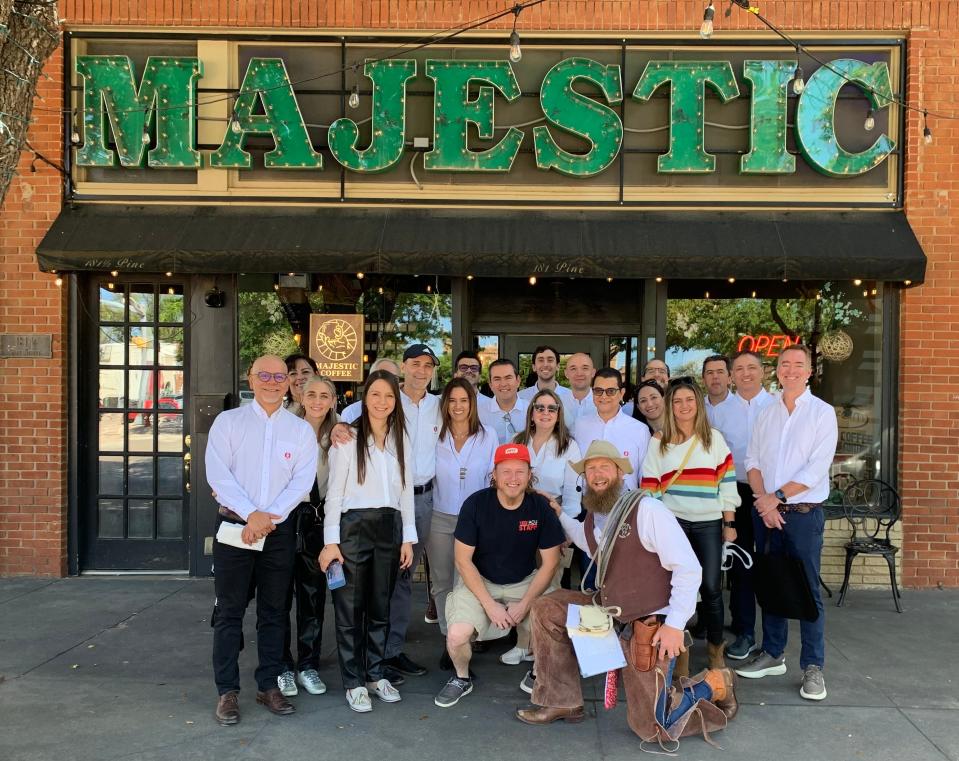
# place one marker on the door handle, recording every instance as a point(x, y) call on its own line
point(186, 469)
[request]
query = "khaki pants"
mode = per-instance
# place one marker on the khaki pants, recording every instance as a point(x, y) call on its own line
point(462, 607)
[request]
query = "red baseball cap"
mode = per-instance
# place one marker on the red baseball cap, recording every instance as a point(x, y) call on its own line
point(510, 452)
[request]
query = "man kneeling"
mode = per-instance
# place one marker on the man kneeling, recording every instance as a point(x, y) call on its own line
point(498, 533)
point(647, 571)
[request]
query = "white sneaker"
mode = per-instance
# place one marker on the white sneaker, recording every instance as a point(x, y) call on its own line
point(516, 656)
point(385, 691)
point(358, 699)
point(287, 684)
point(311, 682)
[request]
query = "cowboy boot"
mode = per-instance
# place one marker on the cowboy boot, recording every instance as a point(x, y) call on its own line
point(716, 655)
point(723, 684)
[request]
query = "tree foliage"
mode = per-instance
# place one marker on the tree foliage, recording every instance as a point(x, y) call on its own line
point(29, 33)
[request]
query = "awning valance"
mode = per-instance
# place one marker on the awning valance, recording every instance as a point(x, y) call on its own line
point(816, 245)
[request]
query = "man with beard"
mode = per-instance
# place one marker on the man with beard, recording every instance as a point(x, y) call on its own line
point(649, 577)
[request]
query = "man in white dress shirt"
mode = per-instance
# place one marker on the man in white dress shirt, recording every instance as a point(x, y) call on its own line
point(546, 365)
point(787, 462)
point(609, 423)
point(734, 416)
point(505, 413)
point(260, 463)
point(579, 372)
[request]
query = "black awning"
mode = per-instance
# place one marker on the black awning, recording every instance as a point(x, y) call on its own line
point(485, 242)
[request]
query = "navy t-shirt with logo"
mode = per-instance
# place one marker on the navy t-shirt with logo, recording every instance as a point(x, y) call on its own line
point(506, 541)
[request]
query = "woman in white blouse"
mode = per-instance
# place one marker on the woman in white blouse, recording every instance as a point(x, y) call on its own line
point(551, 449)
point(370, 528)
point(464, 462)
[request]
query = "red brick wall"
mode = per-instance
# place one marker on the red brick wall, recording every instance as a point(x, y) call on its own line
point(32, 494)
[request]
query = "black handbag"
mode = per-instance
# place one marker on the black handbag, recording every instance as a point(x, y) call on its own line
point(309, 524)
point(782, 587)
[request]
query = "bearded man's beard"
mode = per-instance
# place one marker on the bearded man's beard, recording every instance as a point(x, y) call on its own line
point(602, 502)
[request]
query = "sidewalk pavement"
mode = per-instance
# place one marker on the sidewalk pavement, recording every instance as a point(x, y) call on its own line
point(119, 668)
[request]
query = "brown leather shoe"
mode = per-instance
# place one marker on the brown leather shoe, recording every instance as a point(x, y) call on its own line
point(723, 684)
point(228, 709)
point(275, 702)
point(547, 715)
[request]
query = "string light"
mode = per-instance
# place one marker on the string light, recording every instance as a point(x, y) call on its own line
point(360, 275)
point(659, 279)
point(515, 52)
point(706, 30)
point(114, 273)
point(799, 84)
point(532, 280)
point(857, 281)
point(907, 282)
point(58, 282)
point(870, 124)
point(732, 280)
point(926, 132)
point(469, 277)
point(609, 280)
point(354, 99)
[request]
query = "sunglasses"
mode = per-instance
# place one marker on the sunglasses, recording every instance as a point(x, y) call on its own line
point(597, 391)
point(266, 377)
point(510, 428)
point(552, 409)
point(684, 380)
point(471, 369)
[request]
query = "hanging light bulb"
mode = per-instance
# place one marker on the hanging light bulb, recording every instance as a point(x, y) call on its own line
point(354, 99)
point(659, 280)
point(857, 281)
point(870, 124)
point(58, 282)
point(145, 137)
point(799, 84)
point(515, 52)
point(926, 132)
point(235, 127)
point(731, 279)
point(706, 30)
point(75, 132)
point(114, 273)
point(532, 280)
point(359, 275)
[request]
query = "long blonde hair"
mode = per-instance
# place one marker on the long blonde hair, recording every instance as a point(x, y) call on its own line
point(701, 427)
point(331, 419)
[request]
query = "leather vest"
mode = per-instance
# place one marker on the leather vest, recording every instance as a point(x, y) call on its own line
point(635, 580)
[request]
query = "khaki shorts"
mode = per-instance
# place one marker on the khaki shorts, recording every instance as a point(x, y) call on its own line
point(462, 607)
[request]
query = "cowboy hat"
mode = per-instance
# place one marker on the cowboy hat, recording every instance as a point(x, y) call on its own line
point(600, 448)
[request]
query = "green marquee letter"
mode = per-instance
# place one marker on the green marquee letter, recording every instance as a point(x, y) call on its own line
point(816, 114)
point(582, 116)
point(389, 120)
point(112, 101)
point(767, 122)
point(266, 80)
point(453, 111)
point(687, 94)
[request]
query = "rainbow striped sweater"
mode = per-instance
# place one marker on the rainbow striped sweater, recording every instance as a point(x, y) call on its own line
point(705, 488)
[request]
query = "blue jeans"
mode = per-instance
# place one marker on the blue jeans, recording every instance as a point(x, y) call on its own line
point(801, 538)
point(701, 691)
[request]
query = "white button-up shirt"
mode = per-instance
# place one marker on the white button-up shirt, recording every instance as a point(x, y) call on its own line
point(659, 533)
point(256, 461)
point(506, 424)
point(628, 435)
point(382, 487)
point(460, 474)
point(799, 447)
point(553, 474)
point(735, 418)
point(351, 412)
point(423, 427)
point(584, 406)
point(565, 396)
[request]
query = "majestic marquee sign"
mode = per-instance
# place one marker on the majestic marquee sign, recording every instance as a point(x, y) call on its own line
point(153, 123)
point(336, 344)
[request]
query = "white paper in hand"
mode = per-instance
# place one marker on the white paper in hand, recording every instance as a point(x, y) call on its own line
point(595, 655)
point(232, 534)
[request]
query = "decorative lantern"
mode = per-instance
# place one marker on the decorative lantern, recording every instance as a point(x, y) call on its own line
point(836, 346)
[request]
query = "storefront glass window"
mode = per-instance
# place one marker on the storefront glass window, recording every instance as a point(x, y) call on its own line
point(840, 322)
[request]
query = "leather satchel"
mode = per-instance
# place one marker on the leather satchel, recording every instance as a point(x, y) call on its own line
point(642, 654)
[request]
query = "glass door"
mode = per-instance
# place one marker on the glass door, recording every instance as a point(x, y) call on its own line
point(133, 501)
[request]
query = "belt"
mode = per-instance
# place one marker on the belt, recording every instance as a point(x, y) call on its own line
point(423, 488)
point(798, 507)
point(230, 515)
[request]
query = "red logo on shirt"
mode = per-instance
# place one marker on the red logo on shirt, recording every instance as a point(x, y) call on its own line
point(528, 525)
point(626, 453)
point(287, 455)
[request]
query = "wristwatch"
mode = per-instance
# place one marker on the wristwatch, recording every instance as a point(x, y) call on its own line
point(729, 524)
point(780, 495)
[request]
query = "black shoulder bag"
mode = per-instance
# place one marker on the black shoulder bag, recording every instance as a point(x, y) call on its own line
point(782, 587)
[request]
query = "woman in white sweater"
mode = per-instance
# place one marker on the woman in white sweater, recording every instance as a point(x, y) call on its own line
point(370, 528)
point(691, 470)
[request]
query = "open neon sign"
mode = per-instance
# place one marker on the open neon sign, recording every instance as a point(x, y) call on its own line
point(768, 344)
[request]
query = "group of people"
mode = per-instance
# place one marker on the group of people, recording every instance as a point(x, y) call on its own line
point(502, 493)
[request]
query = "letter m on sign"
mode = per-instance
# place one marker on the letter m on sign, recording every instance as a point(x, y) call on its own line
point(162, 108)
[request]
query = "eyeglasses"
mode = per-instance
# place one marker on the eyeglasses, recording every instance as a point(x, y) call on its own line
point(471, 369)
point(266, 377)
point(597, 391)
point(552, 409)
point(684, 380)
point(510, 428)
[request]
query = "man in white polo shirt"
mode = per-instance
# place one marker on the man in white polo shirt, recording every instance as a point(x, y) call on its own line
point(505, 413)
point(609, 423)
point(546, 365)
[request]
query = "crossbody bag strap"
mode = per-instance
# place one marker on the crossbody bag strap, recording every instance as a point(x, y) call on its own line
point(682, 466)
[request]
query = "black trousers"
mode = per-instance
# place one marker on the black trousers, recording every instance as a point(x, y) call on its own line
point(370, 543)
point(706, 538)
point(235, 570)
point(742, 597)
point(308, 589)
